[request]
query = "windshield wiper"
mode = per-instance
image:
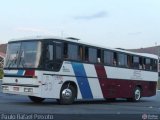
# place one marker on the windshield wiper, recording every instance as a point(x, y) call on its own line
point(21, 61)
point(14, 61)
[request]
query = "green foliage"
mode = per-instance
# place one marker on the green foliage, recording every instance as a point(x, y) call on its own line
point(1, 73)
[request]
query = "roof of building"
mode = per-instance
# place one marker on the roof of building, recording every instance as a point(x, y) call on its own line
point(3, 48)
point(152, 50)
point(2, 54)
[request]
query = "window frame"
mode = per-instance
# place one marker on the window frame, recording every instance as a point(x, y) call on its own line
point(111, 59)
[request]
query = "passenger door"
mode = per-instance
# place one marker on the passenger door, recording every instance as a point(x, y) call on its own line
point(53, 56)
point(52, 63)
point(57, 56)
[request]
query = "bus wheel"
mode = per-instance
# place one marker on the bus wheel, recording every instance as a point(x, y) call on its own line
point(36, 99)
point(136, 95)
point(67, 94)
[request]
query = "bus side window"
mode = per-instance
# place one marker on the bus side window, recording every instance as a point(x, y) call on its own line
point(129, 61)
point(108, 57)
point(141, 65)
point(49, 57)
point(73, 51)
point(58, 57)
point(99, 56)
point(148, 64)
point(115, 59)
point(80, 52)
point(135, 62)
point(58, 52)
point(65, 51)
point(92, 55)
point(154, 65)
point(86, 58)
point(122, 60)
point(151, 65)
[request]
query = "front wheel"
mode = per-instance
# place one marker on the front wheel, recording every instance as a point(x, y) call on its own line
point(136, 95)
point(36, 99)
point(67, 94)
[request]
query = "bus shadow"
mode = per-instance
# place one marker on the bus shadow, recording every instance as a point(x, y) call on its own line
point(118, 101)
point(77, 103)
point(19, 100)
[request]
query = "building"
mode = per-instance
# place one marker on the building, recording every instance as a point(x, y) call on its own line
point(2, 54)
point(3, 48)
point(152, 50)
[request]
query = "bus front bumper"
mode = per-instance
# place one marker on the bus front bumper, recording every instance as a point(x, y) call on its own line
point(21, 90)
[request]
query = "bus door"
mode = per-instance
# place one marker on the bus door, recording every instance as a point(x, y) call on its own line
point(52, 64)
point(57, 56)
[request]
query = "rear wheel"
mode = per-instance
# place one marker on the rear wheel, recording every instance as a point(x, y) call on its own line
point(136, 95)
point(67, 94)
point(36, 99)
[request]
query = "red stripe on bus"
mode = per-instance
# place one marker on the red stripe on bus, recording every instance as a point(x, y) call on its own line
point(29, 73)
point(102, 77)
point(120, 88)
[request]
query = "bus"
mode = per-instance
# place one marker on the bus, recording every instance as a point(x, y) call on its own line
point(67, 69)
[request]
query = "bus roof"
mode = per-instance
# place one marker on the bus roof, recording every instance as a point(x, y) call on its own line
point(75, 40)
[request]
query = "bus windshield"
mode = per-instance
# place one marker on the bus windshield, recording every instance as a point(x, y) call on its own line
point(23, 54)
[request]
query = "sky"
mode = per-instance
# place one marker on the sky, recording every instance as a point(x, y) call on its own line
point(124, 24)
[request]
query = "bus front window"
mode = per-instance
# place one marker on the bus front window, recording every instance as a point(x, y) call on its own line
point(23, 54)
point(12, 55)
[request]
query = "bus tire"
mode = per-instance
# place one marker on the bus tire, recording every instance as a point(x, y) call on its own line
point(136, 95)
point(36, 99)
point(67, 94)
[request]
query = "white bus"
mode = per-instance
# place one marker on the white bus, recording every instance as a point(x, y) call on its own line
point(67, 69)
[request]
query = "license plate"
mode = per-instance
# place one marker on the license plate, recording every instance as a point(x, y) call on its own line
point(16, 88)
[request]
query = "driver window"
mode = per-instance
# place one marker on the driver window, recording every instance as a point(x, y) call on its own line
point(50, 52)
point(49, 57)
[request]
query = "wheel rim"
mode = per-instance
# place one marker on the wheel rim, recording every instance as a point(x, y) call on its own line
point(66, 93)
point(137, 94)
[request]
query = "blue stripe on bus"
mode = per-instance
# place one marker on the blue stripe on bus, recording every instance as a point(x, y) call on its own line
point(20, 72)
point(82, 80)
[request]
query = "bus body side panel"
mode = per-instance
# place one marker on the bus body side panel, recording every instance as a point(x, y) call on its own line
point(121, 88)
point(17, 82)
point(52, 81)
point(102, 77)
point(113, 82)
point(121, 82)
point(93, 81)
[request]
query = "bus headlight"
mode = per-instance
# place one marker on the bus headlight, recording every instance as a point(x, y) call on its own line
point(28, 89)
point(5, 88)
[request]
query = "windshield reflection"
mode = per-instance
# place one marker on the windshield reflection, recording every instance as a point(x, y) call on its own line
point(23, 55)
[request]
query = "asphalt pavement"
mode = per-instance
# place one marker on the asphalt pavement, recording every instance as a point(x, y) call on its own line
point(82, 110)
